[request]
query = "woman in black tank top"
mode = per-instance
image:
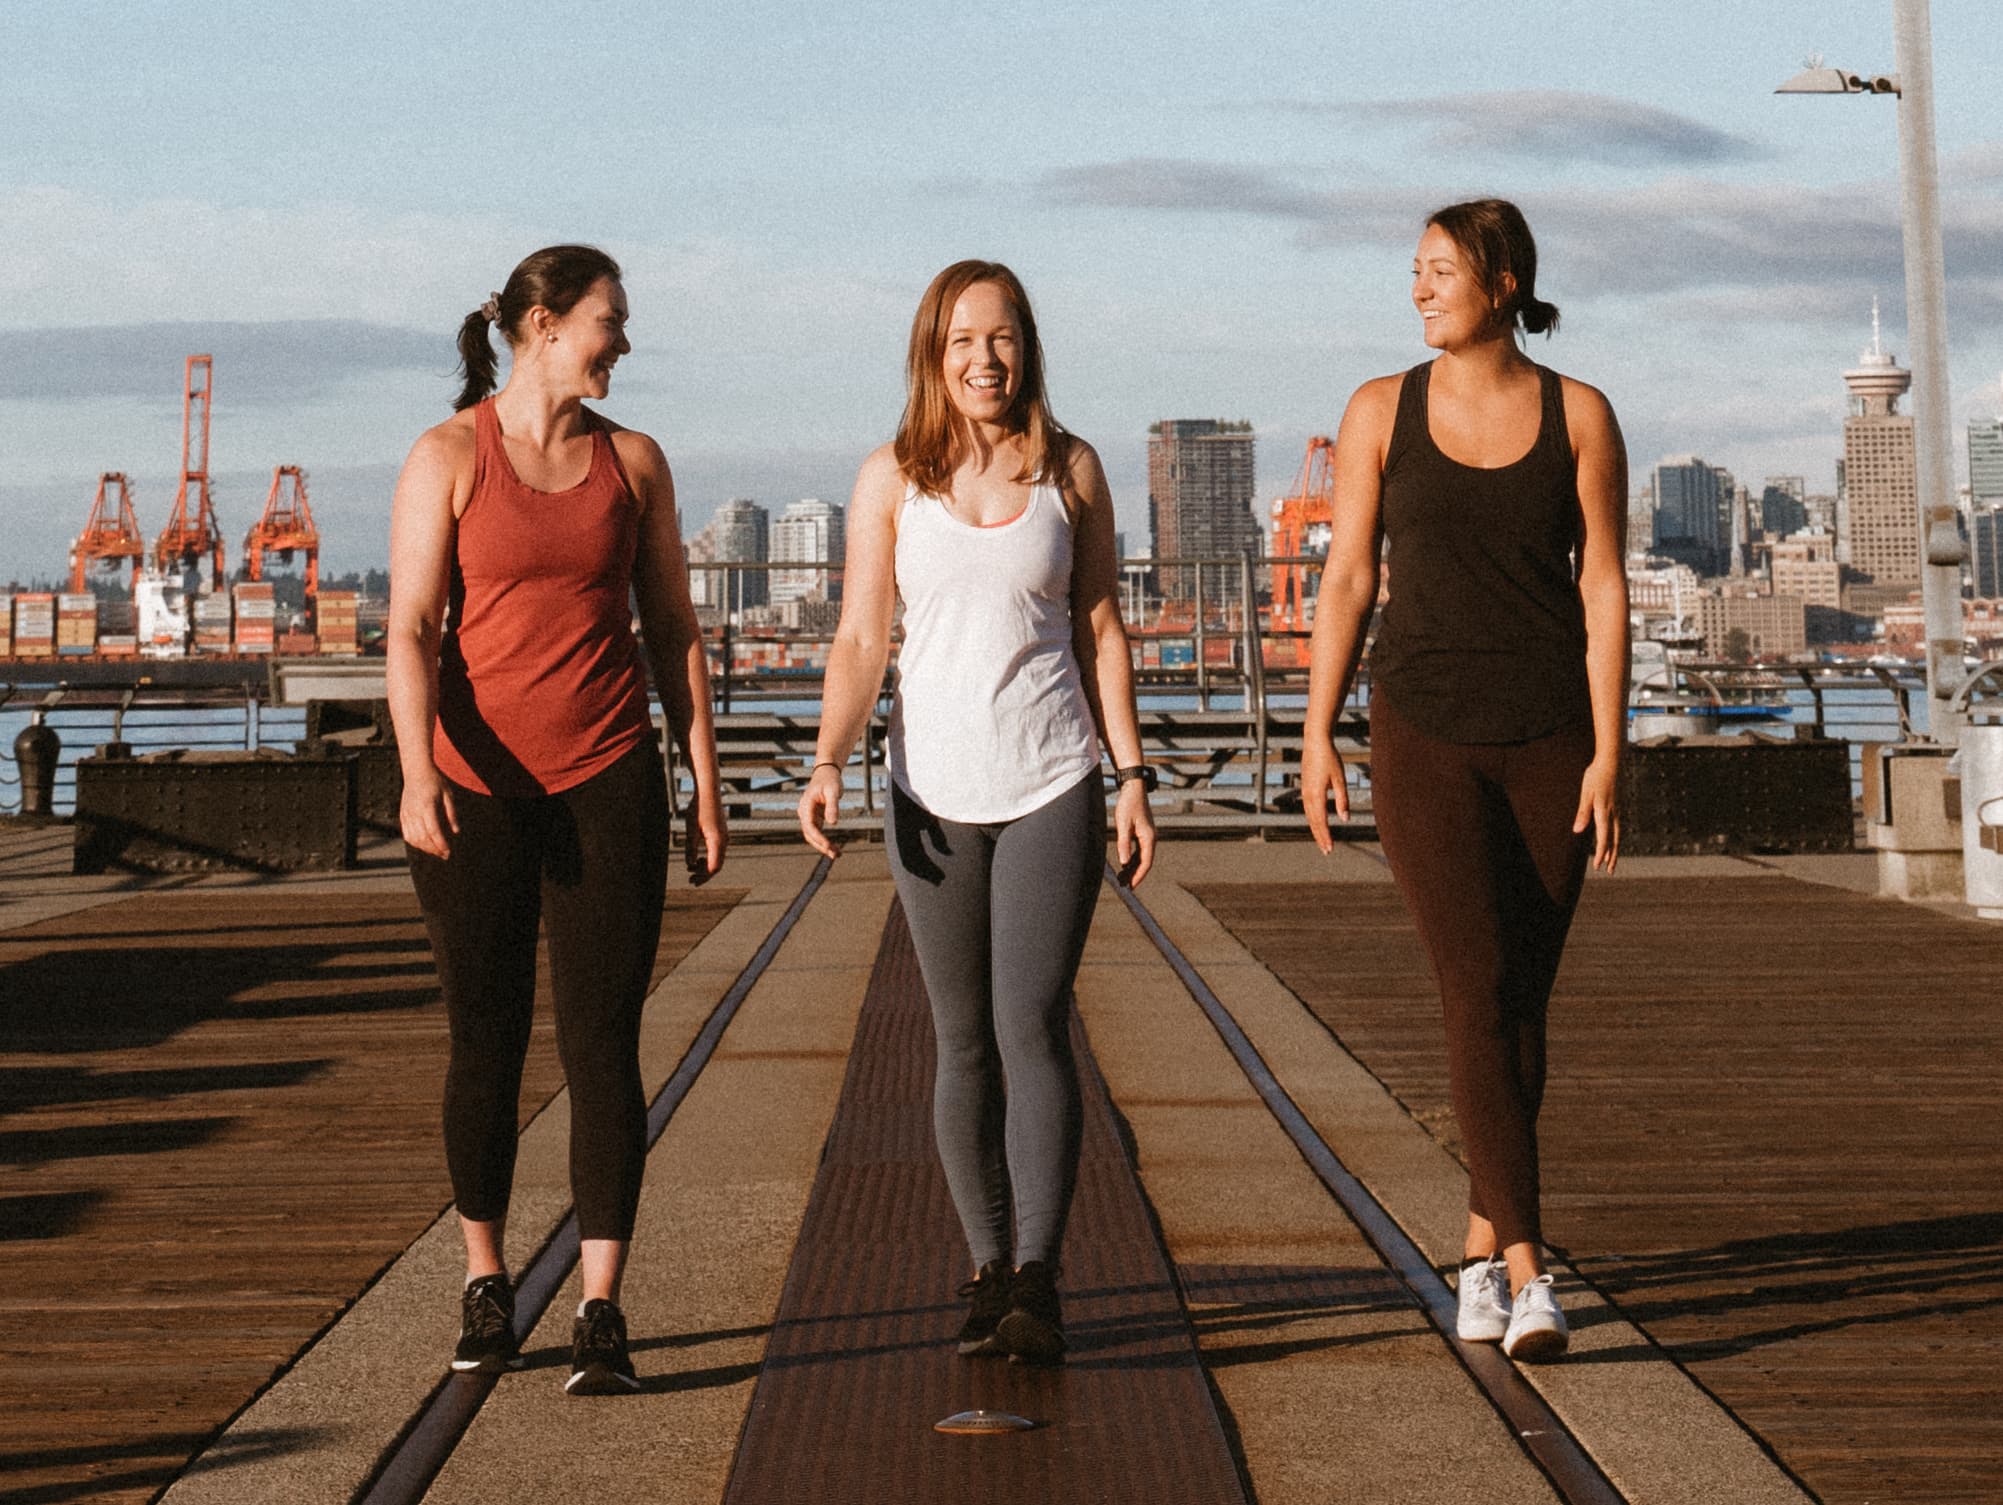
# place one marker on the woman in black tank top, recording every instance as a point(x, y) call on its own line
point(1497, 490)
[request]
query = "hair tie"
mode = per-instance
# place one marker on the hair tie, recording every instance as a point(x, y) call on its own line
point(492, 308)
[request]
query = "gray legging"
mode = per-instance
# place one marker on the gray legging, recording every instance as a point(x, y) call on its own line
point(998, 916)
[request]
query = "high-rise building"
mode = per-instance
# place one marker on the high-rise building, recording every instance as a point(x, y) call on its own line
point(1880, 476)
point(1805, 566)
point(742, 529)
point(1784, 506)
point(1985, 460)
point(809, 531)
point(1200, 481)
point(1693, 513)
point(706, 587)
point(1987, 562)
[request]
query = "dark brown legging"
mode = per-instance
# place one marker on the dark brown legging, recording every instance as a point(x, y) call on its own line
point(1479, 838)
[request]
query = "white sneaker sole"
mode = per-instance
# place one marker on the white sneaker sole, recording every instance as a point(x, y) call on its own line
point(600, 1382)
point(1481, 1332)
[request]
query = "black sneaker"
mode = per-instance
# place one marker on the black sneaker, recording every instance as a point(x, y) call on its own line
point(990, 1292)
point(487, 1328)
point(1033, 1330)
point(599, 1363)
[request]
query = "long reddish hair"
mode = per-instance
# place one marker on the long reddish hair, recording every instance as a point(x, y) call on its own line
point(932, 437)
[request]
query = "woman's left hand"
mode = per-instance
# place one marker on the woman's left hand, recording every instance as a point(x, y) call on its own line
point(1596, 805)
point(708, 839)
point(1134, 833)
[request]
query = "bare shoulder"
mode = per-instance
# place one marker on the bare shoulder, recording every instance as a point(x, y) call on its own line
point(1373, 407)
point(446, 443)
point(1588, 414)
point(1082, 468)
point(879, 484)
point(638, 452)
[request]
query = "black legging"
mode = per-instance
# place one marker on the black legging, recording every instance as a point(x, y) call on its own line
point(1479, 838)
point(591, 862)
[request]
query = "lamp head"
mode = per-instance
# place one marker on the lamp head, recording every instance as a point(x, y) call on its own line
point(1817, 79)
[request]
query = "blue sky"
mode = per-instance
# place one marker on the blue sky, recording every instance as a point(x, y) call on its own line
point(1213, 207)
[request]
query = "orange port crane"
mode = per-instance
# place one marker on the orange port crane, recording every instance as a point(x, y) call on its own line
point(1301, 523)
point(286, 527)
point(111, 534)
point(187, 538)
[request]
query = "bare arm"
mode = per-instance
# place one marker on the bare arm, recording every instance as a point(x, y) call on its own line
point(674, 645)
point(1348, 595)
point(862, 641)
point(1602, 480)
point(430, 493)
point(1105, 662)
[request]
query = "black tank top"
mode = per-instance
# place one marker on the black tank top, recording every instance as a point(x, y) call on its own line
point(1483, 638)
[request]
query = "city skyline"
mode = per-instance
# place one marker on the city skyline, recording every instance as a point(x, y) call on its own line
point(1204, 230)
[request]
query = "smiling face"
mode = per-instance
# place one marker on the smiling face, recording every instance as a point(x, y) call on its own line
point(983, 359)
point(590, 339)
point(1456, 309)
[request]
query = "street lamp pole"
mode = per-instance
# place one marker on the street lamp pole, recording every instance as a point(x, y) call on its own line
point(1941, 548)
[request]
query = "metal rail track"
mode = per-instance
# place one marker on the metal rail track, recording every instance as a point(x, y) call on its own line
point(413, 1461)
point(1542, 1433)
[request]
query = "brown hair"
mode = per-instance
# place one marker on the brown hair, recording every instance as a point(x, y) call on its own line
point(555, 278)
point(1496, 239)
point(932, 439)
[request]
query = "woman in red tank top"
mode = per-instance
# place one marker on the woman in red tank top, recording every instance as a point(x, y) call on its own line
point(533, 788)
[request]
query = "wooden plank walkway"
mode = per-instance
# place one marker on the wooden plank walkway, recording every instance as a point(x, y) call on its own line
point(218, 1123)
point(1773, 1135)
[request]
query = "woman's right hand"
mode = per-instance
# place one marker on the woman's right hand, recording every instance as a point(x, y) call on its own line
point(821, 809)
point(1322, 774)
point(427, 816)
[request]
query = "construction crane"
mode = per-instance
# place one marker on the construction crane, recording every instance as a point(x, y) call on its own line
point(191, 531)
point(111, 534)
point(1301, 526)
point(285, 527)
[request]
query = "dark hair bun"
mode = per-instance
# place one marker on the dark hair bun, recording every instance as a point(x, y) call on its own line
point(1537, 316)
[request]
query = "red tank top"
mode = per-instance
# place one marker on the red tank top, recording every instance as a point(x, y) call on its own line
point(539, 679)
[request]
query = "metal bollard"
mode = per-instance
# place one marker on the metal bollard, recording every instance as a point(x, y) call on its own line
point(36, 753)
point(1981, 768)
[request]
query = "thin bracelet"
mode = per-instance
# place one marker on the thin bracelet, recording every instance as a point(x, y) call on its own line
point(824, 763)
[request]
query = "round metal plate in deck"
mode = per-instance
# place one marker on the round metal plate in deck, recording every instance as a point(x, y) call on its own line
point(983, 1423)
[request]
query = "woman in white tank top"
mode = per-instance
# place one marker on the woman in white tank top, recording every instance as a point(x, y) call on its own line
point(996, 528)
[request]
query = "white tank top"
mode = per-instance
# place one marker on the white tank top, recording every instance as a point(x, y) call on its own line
point(990, 718)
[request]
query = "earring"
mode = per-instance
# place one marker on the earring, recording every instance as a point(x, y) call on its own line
point(552, 339)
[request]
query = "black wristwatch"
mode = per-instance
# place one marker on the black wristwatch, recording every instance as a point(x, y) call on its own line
point(1149, 780)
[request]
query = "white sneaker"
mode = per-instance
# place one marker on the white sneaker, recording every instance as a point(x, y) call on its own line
point(1536, 1326)
point(1484, 1311)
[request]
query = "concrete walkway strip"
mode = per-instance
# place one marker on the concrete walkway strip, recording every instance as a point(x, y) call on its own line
point(1657, 1435)
point(719, 1218)
point(1334, 1383)
point(862, 1364)
point(1578, 1479)
point(318, 1433)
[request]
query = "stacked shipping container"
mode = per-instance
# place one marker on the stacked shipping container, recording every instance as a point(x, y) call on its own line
point(256, 618)
point(76, 625)
point(335, 622)
point(34, 625)
point(212, 623)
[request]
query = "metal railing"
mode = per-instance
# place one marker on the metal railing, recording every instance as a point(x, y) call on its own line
point(1221, 691)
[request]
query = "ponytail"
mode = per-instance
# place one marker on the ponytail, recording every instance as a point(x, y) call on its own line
point(1536, 316)
point(555, 278)
point(476, 360)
